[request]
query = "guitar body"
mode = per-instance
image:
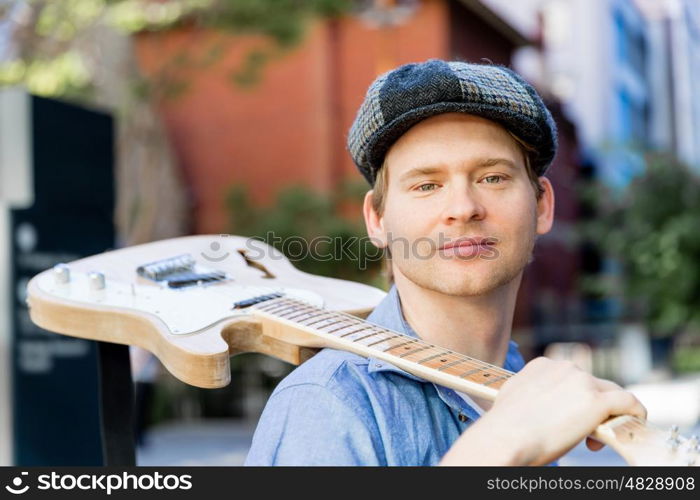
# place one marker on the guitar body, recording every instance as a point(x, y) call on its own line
point(192, 330)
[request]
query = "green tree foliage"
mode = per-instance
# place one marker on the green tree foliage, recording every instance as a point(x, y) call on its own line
point(653, 230)
point(47, 34)
point(309, 228)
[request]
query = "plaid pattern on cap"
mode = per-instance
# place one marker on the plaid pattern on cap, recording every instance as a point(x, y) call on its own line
point(400, 98)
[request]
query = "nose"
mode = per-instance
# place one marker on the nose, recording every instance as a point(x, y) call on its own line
point(462, 205)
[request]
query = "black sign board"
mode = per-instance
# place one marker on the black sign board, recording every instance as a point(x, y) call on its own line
point(55, 382)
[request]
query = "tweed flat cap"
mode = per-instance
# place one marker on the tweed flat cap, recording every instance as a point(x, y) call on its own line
point(402, 97)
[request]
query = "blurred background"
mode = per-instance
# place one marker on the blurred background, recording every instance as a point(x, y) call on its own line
point(129, 121)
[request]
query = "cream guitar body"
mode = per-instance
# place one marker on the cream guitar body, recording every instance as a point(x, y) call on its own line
point(191, 329)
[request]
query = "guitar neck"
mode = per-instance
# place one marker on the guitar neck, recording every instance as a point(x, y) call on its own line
point(299, 323)
point(316, 327)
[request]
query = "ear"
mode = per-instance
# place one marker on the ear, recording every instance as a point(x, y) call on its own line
point(373, 222)
point(545, 207)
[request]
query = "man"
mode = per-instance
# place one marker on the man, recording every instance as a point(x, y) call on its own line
point(456, 154)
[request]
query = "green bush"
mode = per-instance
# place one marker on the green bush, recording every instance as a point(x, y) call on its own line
point(652, 229)
point(299, 215)
point(686, 360)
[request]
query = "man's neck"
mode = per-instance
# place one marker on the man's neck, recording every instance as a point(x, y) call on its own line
point(478, 326)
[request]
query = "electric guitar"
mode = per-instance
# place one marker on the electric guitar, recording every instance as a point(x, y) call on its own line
point(195, 301)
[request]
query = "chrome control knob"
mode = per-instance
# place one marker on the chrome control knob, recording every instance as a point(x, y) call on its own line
point(97, 280)
point(61, 274)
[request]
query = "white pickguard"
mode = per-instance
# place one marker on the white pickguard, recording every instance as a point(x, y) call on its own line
point(183, 311)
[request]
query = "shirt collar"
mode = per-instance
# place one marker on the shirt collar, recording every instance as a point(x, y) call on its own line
point(389, 314)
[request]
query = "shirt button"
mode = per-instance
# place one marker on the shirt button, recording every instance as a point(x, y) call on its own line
point(462, 417)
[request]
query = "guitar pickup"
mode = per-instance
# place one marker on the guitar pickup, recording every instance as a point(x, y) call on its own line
point(242, 304)
point(193, 279)
point(179, 272)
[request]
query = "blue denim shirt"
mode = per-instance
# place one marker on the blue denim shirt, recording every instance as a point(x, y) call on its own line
point(339, 408)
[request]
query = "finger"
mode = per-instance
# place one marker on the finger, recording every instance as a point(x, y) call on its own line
point(606, 385)
point(623, 403)
point(593, 444)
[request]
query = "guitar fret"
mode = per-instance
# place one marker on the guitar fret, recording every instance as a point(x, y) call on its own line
point(310, 314)
point(283, 311)
point(283, 303)
point(354, 323)
point(337, 318)
point(497, 379)
point(367, 336)
point(332, 323)
point(301, 317)
point(402, 344)
point(357, 335)
point(302, 308)
point(470, 372)
point(451, 364)
point(386, 337)
point(354, 331)
point(271, 308)
point(432, 357)
point(327, 317)
point(266, 306)
point(314, 317)
point(330, 320)
point(274, 303)
point(296, 314)
point(385, 340)
point(294, 311)
point(423, 348)
point(283, 307)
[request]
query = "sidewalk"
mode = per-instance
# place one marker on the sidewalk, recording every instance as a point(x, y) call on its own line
point(199, 442)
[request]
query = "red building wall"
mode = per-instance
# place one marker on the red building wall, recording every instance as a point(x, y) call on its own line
point(291, 127)
point(272, 135)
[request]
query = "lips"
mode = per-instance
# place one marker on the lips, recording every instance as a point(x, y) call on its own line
point(466, 242)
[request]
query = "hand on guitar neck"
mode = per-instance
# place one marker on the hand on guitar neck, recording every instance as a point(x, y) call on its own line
point(540, 414)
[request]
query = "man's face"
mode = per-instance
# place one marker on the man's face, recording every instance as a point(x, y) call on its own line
point(460, 177)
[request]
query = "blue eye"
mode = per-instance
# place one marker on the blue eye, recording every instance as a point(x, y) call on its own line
point(494, 177)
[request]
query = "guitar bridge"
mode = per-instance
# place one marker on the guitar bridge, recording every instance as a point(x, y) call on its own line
point(179, 272)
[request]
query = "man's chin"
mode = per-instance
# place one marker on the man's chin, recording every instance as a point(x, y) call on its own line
point(461, 289)
point(466, 284)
